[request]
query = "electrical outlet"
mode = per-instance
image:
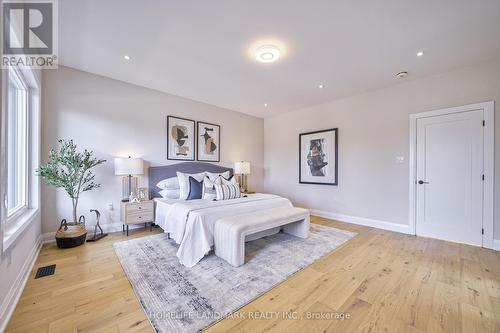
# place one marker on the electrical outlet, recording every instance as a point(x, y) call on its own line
point(400, 159)
point(110, 206)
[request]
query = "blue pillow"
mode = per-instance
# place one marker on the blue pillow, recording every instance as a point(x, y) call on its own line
point(195, 189)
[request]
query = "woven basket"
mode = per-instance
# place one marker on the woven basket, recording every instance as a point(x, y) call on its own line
point(71, 234)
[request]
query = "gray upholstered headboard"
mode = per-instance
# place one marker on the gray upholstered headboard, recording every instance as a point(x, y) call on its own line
point(163, 172)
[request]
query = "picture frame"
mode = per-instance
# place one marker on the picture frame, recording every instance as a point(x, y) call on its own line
point(208, 142)
point(180, 139)
point(142, 193)
point(318, 157)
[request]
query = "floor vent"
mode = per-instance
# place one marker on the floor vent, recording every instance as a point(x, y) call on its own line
point(45, 271)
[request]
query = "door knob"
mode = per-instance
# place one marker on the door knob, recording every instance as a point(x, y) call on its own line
point(422, 182)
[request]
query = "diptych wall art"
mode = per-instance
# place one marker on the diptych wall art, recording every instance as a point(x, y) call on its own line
point(208, 142)
point(318, 157)
point(180, 139)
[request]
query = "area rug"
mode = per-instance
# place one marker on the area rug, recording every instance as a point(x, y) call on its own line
point(181, 299)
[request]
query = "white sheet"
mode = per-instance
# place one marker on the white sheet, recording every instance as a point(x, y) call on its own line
point(163, 206)
point(191, 223)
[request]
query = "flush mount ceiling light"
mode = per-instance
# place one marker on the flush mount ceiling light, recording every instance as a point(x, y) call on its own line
point(402, 74)
point(420, 53)
point(320, 86)
point(126, 57)
point(267, 53)
point(265, 105)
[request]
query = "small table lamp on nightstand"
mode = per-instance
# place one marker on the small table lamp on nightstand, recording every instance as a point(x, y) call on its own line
point(242, 169)
point(128, 167)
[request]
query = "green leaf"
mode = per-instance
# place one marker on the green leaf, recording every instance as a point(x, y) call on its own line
point(69, 169)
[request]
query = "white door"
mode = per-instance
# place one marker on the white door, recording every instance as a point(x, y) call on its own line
point(449, 196)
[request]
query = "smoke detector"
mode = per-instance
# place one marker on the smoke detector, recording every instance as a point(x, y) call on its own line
point(402, 74)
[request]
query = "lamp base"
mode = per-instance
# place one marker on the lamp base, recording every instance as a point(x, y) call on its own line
point(129, 186)
point(243, 183)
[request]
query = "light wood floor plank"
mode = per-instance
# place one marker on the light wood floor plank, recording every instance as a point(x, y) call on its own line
point(383, 281)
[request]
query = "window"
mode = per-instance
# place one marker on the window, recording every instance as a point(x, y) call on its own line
point(17, 144)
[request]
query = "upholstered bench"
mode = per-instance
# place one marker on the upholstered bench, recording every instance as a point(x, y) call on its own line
point(230, 233)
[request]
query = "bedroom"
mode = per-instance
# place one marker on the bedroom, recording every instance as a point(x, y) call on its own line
point(325, 103)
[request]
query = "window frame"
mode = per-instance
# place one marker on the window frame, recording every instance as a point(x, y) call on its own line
point(14, 214)
point(11, 231)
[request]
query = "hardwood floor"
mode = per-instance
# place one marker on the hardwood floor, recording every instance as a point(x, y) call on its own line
point(383, 282)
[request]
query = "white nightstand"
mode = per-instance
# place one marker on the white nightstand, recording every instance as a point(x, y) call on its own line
point(136, 213)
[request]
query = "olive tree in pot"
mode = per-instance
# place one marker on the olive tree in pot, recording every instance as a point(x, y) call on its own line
point(71, 170)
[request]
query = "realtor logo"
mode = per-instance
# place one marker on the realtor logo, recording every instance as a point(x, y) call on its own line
point(29, 34)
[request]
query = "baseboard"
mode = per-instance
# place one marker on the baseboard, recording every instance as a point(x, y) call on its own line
point(49, 237)
point(496, 244)
point(114, 227)
point(9, 303)
point(391, 226)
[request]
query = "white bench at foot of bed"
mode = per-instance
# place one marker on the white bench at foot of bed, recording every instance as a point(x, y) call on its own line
point(230, 232)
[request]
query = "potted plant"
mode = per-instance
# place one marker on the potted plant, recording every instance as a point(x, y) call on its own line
point(71, 170)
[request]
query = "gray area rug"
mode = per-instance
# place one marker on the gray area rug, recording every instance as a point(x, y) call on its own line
point(181, 299)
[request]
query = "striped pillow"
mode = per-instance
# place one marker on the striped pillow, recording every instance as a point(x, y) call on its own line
point(209, 188)
point(227, 191)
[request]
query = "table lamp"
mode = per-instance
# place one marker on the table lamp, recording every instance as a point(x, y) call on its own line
point(242, 169)
point(128, 167)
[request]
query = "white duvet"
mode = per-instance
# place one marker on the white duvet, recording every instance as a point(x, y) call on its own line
point(191, 223)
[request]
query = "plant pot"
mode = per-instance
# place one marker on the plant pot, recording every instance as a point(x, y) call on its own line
point(71, 234)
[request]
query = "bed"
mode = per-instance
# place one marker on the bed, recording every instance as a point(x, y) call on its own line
point(190, 223)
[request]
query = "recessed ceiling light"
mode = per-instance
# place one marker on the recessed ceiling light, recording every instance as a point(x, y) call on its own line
point(126, 57)
point(265, 105)
point(267, 53)
point(321, 86)
point(420, 53)
point(402, 74)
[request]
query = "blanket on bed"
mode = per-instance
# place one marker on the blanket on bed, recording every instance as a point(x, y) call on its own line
point(191, 224)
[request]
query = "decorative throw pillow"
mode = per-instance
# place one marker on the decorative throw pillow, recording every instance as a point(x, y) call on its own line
point(184, 182)
point(195, 189)
point(171, 183)
point(226, 191)
point(231, 180)
point(213, 175)
point(170, 194)
point(209, 187)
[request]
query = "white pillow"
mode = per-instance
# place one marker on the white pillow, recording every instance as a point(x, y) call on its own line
point(184, 182)
point(226, 191)
point(171, 183)
point(213, 176)
point(230, 181)
point(209, 188)
point(170, 194)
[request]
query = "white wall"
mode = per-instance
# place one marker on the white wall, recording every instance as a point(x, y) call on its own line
point(113, 118)
point(373, 130)
point(15, 267)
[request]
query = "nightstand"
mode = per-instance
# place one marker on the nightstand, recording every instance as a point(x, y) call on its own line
point(136, 213)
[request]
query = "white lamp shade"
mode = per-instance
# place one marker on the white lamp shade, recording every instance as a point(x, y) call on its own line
point(242, 168)
point(128, 166)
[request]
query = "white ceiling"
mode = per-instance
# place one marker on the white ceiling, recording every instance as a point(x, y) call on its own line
point(200, 49)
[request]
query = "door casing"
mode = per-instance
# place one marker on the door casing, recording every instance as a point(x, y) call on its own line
point(488, 162)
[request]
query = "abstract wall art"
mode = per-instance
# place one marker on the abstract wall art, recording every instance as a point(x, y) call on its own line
point(208, 136)
point(180, 139)
point(318, 157)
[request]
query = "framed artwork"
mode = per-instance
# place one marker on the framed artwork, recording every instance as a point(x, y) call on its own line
point(180, 139)
point(142, 193)
point(318, 157)
point(208, 136)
